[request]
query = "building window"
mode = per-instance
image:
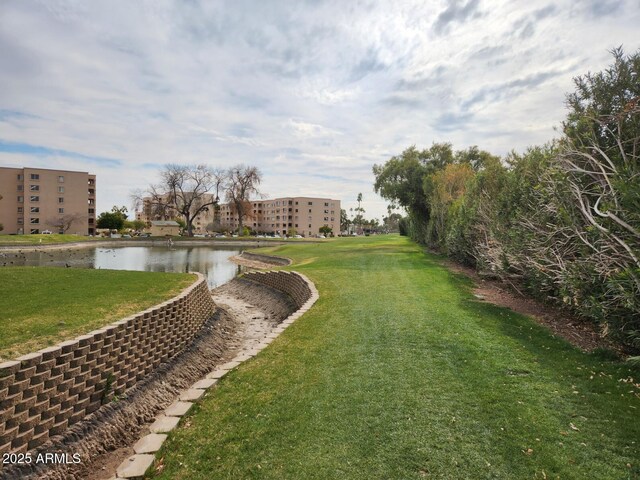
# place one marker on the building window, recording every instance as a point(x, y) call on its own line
point(20, 199)
point(35, 231)
point(20, 221)
point(326, 204)
point(61, 179)
point(34, 198)
point(309, 210)
point(20, 188)
point(20, 209)
point(35, 220)
point(91, 221)
point(35, 176)
point(310, 203)
point(92, 201)
point(92, 210)
point(60, 199)
point(35, 209)
point(20, 177)
point(92, 191)
point(61, 210)
point(60, 189)
point(326, 219)
point(309, 225)
point(34, 188)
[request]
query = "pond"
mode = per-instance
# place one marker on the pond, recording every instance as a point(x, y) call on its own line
point(213, 262)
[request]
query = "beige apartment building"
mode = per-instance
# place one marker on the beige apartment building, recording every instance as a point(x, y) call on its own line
point(306, 215)
point(277, 216)
point(35, 200)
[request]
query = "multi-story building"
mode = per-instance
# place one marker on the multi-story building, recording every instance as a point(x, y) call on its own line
point(305, 215)
point(33, 200)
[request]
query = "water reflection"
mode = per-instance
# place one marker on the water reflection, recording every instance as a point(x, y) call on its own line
point(213, 262)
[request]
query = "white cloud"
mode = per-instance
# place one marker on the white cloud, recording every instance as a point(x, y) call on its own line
point(309, 130)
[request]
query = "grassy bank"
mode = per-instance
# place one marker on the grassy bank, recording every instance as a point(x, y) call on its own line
point(43, 239)
point(41, 306)
point(398, 372)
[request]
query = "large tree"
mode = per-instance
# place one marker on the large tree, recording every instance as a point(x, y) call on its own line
point(63, 223)
point(243, 183)
point(591, 195)
point(113, 220)
point(184, 191)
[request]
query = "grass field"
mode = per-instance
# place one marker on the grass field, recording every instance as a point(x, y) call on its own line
point(398, 372)
point(43, 239)
point(41, 306)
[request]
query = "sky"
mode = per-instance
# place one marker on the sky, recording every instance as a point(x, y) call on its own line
point(313, 93)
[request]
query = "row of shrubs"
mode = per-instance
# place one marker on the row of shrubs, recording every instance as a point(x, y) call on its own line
point(561, 221)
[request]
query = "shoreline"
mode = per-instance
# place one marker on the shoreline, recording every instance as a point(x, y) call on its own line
point(140, 243)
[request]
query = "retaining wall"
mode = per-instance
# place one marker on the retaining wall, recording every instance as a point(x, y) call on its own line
point(290, 283)
point(43, 393)
point(269, 259)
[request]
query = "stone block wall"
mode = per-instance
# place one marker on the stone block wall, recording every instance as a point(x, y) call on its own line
point(290, 283)
point(43, 393)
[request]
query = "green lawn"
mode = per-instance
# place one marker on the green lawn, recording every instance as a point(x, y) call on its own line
point(41, 306)
point(398, 372)
point(43, 239)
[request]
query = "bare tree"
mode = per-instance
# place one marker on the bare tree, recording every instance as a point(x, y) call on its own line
point(64, 222)
point(243, 182)
point(184, 190)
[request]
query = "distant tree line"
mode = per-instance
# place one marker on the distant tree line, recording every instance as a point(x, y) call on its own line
point(561, 221)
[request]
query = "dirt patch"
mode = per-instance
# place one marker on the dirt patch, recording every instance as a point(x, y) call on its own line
point(246, 315)
point(580, 333)
point(274, 303)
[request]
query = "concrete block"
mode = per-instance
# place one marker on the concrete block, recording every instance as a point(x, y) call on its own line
point(216, 374)
point(230, 365)
point(135, 466)
point(177, 409)
point(164, 424)
point(150, 443)
point(205, 383)
point(191, 395)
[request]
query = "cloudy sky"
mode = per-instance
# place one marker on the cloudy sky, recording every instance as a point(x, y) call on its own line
point(312, 92)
